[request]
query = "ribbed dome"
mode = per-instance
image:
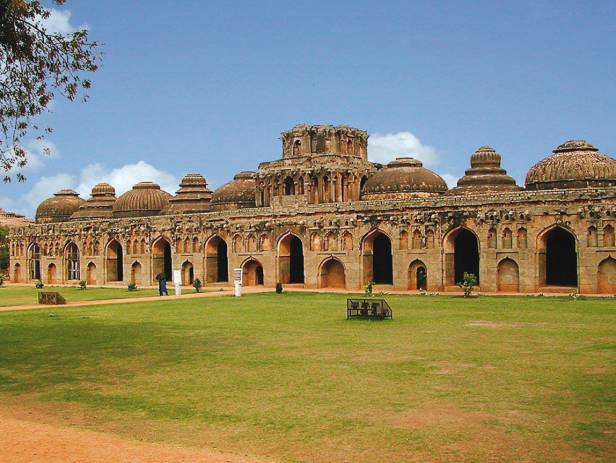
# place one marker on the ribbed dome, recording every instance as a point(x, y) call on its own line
point(146, 198)
point(193, 196)
point(403, 178)
point(238, 193)
point(100, 204)
point(58, 208)
point(574, 164)
point(485, 174)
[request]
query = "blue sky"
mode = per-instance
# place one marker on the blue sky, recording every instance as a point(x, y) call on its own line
point(201, 86)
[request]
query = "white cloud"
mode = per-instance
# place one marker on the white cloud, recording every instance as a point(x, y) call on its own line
point(36, 153)
point(122, 178)
point(451, 180)
point(386, 147)
point(59, 22)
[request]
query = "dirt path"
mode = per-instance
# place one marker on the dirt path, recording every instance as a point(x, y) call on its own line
point(24, 438)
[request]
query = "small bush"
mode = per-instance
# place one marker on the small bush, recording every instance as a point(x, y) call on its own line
point(369, 289)
point(2, 277)
point(132, 287)
point(197, 285)
point(83, 284)
point(39, 284)
point(279, 288)
point(468, 283)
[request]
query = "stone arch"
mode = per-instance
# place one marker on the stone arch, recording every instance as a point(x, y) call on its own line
point(187, 243)
point(430, 239)
point(236, 243)
point(195, 244)
point(264, 243)
point(290, 259)
point(289, 186)
point(188, 273)
point(608, 236)
point(606, 276)
point(91, 274)
point(161, 258)
point(416, 241)
point(114, 261)
point(492, 238)
point(251, 243)
point(557, 257)
point(34, 261)
point(135, 273)
point(252, 272)
point(142, 246)
point(300, 186)
point(461, 247)
point(347, 241)
point(377, 257)
point(315, 242)
point(17, 273)
point(417, 276)
point(52, 274)
point(332, 274)
point(71, 259)
point(329, 242)
point(508, 276)
point(216, 260)
point(507, 238)
point(326, 190)
point(593, 239)
point(404, 240)
point(522, 238)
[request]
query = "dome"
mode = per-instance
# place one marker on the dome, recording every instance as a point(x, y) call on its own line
point(146, 198)
point(100, 204)
point(238, 193)
point(485, 174)
point(574, 164)
point(193, 196)
point(58, 208)
point(403, 178)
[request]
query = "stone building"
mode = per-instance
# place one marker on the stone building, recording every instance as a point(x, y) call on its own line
point(324, 216)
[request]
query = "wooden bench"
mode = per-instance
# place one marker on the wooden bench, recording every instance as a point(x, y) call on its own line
point(369, 308)
point(50, 298)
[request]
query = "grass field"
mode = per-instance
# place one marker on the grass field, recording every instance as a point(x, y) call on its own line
point(287, 377)
point(25, 295)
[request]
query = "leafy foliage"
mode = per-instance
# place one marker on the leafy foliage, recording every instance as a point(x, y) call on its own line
point(39, 284)
point(468, 283)
point(132, 287)
point(83, 284)
point(279, 288)
point(35, 64)
point(197, 285)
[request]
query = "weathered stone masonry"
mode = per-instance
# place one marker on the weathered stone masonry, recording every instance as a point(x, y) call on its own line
point(324, 216)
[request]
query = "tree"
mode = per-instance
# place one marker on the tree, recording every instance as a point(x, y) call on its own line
point(35, 64)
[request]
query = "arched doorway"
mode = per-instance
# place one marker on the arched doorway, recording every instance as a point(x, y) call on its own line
point(332, 274)
point(252, 274)
point(51, 274)
point(418, 276)
point(161, 259)
point(558, 258)
point(91, 274)
point(188, 274)
point(71, 258)
point(606, 276)
point(291, 260)
point(377, 259)
point(135, 274)
point(216, 261)
point(461, 256)
point(114, 261)
point(35, 262)
point(508, 276)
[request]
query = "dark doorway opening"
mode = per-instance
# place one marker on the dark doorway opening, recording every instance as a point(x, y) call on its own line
point(560, 258)
point(296, 264)
point(466, 250)
point(381, 260)
point(222, 263)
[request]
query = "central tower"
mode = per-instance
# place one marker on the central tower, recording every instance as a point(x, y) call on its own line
point(320, 164)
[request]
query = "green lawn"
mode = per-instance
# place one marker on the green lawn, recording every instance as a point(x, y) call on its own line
point(287, 377)
point(25, 295)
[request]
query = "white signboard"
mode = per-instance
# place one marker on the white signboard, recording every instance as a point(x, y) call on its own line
point(177, 281)
point(237, 280)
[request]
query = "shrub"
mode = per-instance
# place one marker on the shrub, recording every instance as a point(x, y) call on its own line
point(369, 289)
point(197, 285)
point(132, 287)
point(468, 283)
point(83, 284)
point(39, 284)
point(2, 277)
point(279, 288)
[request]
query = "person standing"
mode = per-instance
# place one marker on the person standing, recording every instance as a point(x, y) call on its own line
point(162, 284)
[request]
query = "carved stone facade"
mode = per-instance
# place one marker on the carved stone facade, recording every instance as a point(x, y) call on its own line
point(324, 216)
